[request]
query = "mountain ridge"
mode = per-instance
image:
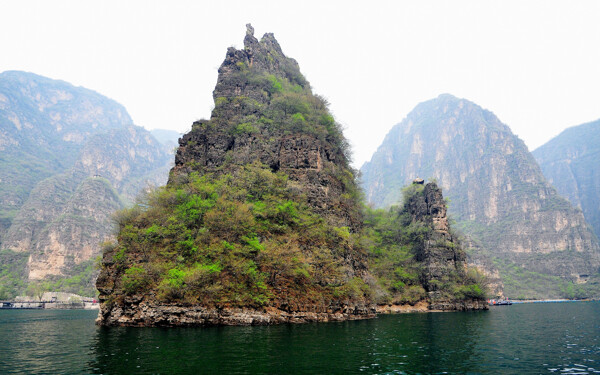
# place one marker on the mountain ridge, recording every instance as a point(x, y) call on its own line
point(70, 157)
point(569, 161)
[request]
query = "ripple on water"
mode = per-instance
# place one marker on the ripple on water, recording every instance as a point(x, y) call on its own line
point(541, 338)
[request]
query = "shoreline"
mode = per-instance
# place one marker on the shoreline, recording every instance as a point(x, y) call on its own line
point(35, 305)
point(420, 307)
point(516, 301)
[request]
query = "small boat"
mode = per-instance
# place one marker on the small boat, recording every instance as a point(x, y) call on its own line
point(499, 302)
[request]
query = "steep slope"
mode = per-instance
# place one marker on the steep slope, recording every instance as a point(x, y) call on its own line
point(570, 163)
point(68, 215)
point(497, 192)
point(259, 219)
point(91, 161)
point(43, 124)
point(73, 236)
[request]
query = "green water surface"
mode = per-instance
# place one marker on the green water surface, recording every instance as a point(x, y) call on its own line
point(520, 339)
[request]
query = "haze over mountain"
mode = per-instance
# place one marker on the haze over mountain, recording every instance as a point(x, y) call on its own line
point(166, 136)
point(497, 194)
point(571, 163)
point(43, 124)
point(70, 157)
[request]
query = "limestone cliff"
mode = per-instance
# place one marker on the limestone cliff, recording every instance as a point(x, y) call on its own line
point(73, 235)
point(67, 216)
point(258, 222)
point(70, 157)
point(497, 192)
point(570, 163)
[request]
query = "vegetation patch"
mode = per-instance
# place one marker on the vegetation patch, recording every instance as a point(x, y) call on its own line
point(242, 238)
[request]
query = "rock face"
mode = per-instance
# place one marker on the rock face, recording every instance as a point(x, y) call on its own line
point(67, 235)
point(74, 160)
point(68, 216)
point(439, 252)
point(265, 205)
point(144, 312)
point(498, 194)
point(570, 163)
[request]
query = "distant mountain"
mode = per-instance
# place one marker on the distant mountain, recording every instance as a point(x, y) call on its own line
point(70, 158)
point(539, 242)
point(571, 162)
point(166, 136)
point(43, 124)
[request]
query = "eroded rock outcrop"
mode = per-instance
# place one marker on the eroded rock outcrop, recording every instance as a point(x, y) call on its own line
point(439, 252)
point(257, 223)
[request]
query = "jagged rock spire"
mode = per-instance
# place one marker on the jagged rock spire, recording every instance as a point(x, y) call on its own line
point(262, 89)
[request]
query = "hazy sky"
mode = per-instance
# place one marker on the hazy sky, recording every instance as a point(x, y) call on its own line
point(535, 64)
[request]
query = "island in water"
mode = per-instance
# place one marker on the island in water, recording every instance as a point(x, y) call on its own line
point(262, 220)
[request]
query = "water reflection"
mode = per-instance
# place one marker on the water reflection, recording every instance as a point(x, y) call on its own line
point(44, 341)
point(560, 338)
point(409, 343)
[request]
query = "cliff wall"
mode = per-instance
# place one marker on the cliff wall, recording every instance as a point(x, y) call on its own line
point(570, 163)
point(69, 158)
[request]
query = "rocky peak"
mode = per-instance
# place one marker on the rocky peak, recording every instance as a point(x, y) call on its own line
point(249, 29)
point(260, 186)
point(267, 45)
point(265, 112)
point(263, 57)
point(430, 207)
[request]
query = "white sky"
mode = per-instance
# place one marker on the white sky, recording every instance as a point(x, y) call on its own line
point(535, 64)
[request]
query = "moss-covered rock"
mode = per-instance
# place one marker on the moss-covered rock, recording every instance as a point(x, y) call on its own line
point(261, 213)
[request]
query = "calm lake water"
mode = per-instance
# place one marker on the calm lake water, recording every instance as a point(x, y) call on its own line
point(562, 338)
